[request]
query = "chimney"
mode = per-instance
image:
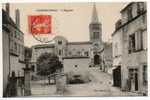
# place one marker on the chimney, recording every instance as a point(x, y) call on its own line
point(7, 8)
point(17, 12)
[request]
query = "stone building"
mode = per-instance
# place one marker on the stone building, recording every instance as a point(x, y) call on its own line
point(13, 47)
point(107, 57)
point(132, 35)
point(6, 58)
point(117, 47)
point(93, 52)
point(17, 48)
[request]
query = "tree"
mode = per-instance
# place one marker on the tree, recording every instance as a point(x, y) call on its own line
point(47, 64)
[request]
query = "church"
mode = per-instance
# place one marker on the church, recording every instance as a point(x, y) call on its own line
point(79, 55)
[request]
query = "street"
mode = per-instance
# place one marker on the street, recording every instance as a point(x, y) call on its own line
point(82, 55)
point(101, 85)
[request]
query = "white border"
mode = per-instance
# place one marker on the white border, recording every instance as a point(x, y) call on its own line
point(22, 1)
point(74, 98)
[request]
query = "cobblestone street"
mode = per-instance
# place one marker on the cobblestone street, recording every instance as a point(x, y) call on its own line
point(101, 85)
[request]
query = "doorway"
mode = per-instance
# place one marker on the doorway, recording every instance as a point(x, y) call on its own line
point(133, 77)
point(96, 59)
point(117, 77)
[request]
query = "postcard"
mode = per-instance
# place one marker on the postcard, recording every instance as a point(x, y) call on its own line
point(74, 49)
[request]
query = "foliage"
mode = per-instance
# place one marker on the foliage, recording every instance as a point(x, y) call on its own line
point(47, 64)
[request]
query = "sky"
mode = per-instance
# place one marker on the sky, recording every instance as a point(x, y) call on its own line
point(73, 24)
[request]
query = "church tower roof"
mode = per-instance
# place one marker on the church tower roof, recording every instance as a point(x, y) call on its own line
point(94, 14)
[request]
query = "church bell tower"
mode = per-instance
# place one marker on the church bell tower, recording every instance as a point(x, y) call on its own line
point(95, 27)
point(95, 30)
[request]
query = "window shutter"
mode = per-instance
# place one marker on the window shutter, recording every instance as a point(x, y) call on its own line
point(144, 38)
point(130, 44)
point(140, 39)
point(133, 42)
point(136, 41)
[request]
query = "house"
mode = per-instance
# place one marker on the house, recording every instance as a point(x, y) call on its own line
point(130, 47)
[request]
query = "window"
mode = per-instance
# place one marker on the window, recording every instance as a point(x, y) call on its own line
point(11, 44)
point(60, 42)
point(131, 43)
point(13, 74)
point(15, 46)
point(75, 65)
point(95, 27)
point(18, 35)
point(59, 52)
point(19, 48)
point(96, 35)
point(145, 75)
point(78, 53)
point(136, 41)
point(33, 68)
point(125, 29)
point(130, 16)
point(140, 7)
point(144, 18)
point(86, 53)
point(15, 34)
point(70, 53)
point(11, 34)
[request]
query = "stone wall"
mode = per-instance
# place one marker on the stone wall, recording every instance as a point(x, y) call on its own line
point(77, 65)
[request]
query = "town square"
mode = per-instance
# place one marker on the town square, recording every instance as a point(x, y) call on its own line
point(74, 49)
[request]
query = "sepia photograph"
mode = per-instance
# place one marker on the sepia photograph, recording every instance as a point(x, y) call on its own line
point(88, 49)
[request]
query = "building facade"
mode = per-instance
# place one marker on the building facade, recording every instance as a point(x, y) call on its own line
point(117, 48)
point(17, 48)
point(95, 49)
point(133, 37)
point(6, 56)
point(13, 49)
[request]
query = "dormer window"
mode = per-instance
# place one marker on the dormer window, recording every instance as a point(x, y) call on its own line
point(140, 7)
point(130, 16)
